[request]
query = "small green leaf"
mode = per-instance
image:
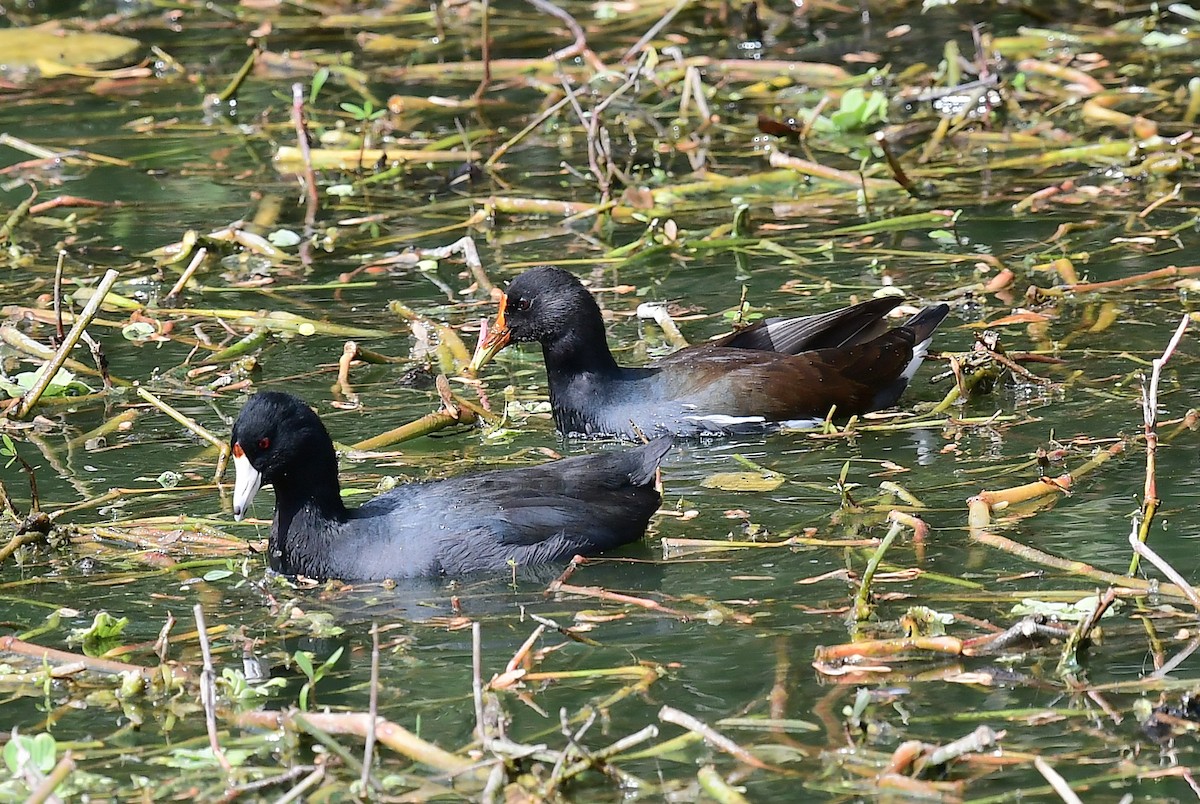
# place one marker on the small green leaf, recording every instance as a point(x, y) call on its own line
point(217, 574)
point(859, 110)
point(303, 660)
point(63, 384)
point(1073, 612)
point(138, 331)
point(43, 752)
point(200, 758)
point(41, 749)
point(103, 634)
point(318, 82)
point(284, 238)
point(1160, 41)
point(332, 660)
point(169, 479)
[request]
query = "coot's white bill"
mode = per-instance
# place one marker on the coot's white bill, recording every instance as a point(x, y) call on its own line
point(246, 483)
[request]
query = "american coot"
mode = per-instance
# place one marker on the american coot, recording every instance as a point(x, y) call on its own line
point(779, 371)
point(536, 515)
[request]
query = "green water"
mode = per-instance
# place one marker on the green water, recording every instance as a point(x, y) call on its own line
point(751, 619)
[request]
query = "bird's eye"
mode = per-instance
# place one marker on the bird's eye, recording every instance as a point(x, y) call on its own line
point(524, 304)
point(264, 443)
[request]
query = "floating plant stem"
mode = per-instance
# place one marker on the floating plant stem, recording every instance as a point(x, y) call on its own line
point(50, 369)
point(186, 421)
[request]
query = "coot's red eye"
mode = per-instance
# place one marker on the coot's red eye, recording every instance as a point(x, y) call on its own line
point(264, 443)
point(524, 304)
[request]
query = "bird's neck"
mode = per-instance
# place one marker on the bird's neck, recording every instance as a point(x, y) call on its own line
point(308, 514)
point(581, 350)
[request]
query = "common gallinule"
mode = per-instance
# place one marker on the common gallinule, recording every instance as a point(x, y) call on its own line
point(777, 372)
point(536, 515)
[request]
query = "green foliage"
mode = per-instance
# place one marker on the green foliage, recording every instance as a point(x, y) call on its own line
point(854, 713)
point(741, 315)
point(318, 82)
point(102, 635)
point(138, 331)
point(304, 661)
point(8, 450)
point(39, 750)
point(1158, 40)
point(860, 110)
point(133, 684)
point(1058, 610)
point(926, 622)
point(62, 384)
point(284, 238)
point(320, 623)
point(201, 758)
point(240, 690)
point(168, 479)
point(364, 113)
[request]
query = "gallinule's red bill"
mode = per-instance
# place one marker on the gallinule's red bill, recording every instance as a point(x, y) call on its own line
point(779, 371)
point(537, 515)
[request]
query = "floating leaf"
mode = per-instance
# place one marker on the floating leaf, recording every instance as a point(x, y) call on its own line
point(1160, 40)
point(63, 384)
point(169, 479)
point(1063, 611)
point(102, 634)
point(138, 331)
point(200, 758)
point(859, 110)
point(284, 238)
point(26, 47)
point(743, 481)
point(924, 621)
point(41, 749)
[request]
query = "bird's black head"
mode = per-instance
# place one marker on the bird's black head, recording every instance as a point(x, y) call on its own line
point(278, 439)
point(547, 304)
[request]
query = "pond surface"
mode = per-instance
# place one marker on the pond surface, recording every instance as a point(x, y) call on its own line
point(726, 633)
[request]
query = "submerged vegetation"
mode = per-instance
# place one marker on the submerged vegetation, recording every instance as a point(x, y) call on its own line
point(983, 595)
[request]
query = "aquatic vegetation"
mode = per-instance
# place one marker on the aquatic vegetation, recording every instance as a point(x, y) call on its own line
point(983, 593)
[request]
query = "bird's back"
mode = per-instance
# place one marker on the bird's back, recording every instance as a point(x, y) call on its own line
point(479, 523)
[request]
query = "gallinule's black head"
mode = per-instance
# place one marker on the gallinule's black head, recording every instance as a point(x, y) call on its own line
point(778, 372)
point(549, 306)
point(531, 516)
